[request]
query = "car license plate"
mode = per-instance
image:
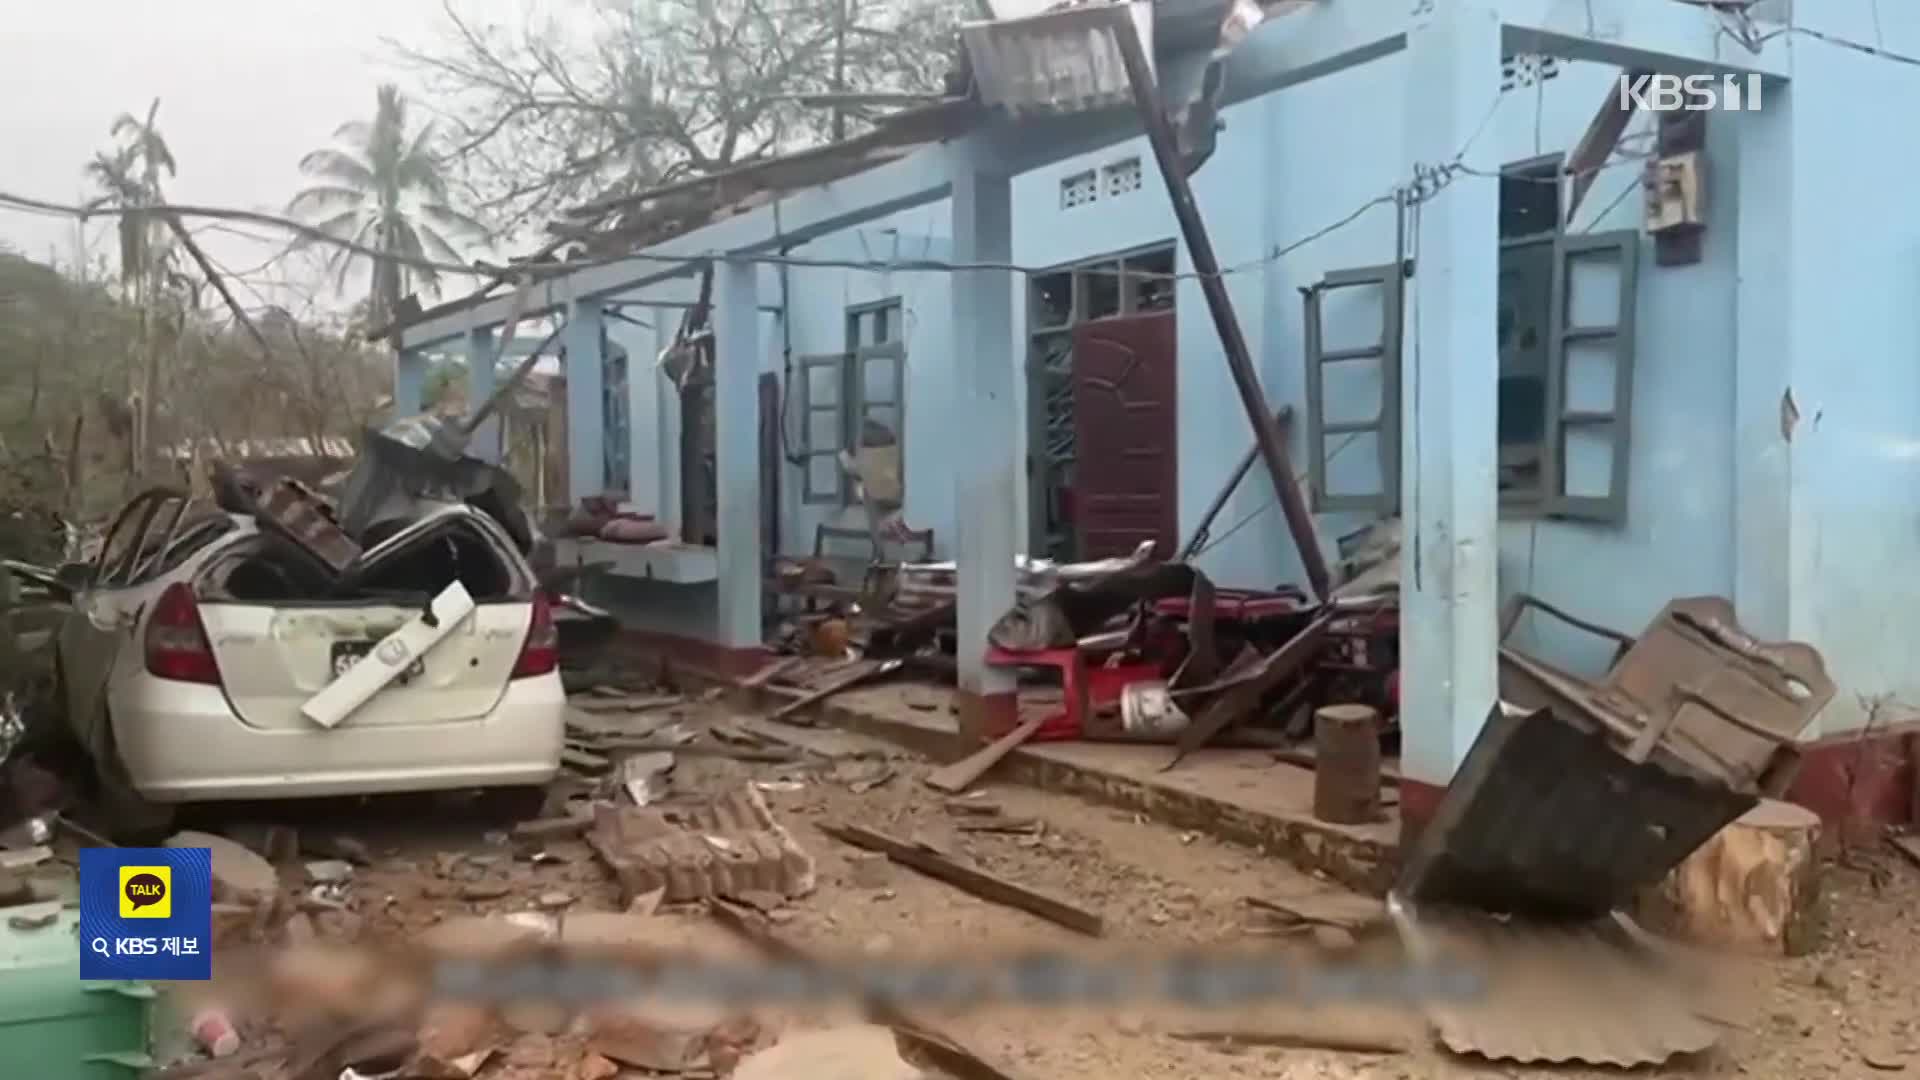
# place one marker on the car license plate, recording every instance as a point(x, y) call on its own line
point(348, 653)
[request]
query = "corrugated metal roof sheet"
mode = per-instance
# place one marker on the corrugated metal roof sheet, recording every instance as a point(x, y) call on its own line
point(1059, 61)
point(294, 446)
point(1563, 993)
point(1547, 820)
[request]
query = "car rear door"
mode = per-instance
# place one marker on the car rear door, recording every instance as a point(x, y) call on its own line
point(106, 609)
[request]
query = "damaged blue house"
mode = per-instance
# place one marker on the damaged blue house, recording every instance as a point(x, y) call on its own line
point(1583, 346)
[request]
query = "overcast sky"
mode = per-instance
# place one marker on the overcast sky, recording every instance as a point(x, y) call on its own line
point(246, 88)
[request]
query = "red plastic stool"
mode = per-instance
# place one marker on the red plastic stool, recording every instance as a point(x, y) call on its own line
point(1073, 684)
point(1083, 688)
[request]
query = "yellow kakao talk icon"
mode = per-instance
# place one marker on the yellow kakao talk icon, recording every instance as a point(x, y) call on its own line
point(146, 892)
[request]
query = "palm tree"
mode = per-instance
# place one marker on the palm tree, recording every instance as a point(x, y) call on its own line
point(129, 178)
point(383, 190)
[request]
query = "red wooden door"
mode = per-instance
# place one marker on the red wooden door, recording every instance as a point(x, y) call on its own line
point(1126, 435)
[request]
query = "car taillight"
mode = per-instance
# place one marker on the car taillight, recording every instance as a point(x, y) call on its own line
point(541, 654)
point(177, 646)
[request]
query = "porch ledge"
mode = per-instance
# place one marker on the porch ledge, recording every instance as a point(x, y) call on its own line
point(1242, 796)
point(663, 561)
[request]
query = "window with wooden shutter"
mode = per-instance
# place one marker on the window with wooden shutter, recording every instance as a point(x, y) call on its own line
point(822, 426)
point(1590, 376)
point(1353, 390)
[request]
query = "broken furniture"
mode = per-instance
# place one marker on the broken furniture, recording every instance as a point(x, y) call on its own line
point(870, 578)
point(1694, 691)
point(1576, 798)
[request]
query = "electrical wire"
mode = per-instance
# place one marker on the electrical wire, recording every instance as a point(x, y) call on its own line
point(1429, 181)
point(1272, 501)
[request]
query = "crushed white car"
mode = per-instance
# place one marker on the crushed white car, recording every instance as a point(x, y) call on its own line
point(208, 658)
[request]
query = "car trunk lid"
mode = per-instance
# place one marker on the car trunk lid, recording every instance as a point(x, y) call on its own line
point(273, 658)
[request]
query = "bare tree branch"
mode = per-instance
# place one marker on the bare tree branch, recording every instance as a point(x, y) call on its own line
point(588, 99)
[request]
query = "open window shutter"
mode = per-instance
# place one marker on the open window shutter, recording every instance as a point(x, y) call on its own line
point(1353, 390)
point(877, 385)
point(1590, 376)
point(823, 426)
point(880, 401)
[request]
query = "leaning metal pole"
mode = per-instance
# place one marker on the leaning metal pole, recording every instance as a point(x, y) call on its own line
point(1266, 432)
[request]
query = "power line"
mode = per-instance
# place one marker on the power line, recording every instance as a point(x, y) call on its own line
point(1428, 181)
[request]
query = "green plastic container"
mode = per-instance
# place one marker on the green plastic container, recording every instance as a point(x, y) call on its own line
point(52, 1025)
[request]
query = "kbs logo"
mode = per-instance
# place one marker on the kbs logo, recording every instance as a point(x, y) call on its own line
point(146, 892)
point(1690, 93)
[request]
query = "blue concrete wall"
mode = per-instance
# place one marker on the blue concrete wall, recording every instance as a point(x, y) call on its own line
point(820, 299)
point(1853, 462)
point(1287, 198)
point(1287, 211)
point(1677, 538)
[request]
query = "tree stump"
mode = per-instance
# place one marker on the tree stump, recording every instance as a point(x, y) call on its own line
point(1754, 886)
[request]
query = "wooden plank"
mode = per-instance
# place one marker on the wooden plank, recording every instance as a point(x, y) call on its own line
point(1309, 1037)
point(771, 672)
point(1234, 705)
point(861, 671)
point(963, 774)
point(1603, 133)
point(1348, 911)
point(971, 879)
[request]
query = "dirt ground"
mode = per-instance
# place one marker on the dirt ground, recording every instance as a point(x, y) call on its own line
point(1845, 1011)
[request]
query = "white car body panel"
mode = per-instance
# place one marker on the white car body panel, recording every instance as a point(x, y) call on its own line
point(461, 721)
point(394, 658)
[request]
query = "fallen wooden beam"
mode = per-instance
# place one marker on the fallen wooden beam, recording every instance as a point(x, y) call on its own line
point(1011, 826)
point(1234, 705)
point(963, 774)
point(1348, 911)
point(1603, 133)
point(970, 879)
point(918, 1038)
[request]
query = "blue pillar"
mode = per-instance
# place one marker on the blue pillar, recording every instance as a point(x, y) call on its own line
point(668, 396)
point(986, 417)
point(409, 382)
point(1450, 373)
point(485, 443)
point(586, 455)
point(1766, 274)
point(643, 416)
point(736, 410)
